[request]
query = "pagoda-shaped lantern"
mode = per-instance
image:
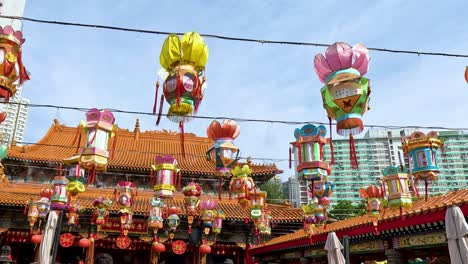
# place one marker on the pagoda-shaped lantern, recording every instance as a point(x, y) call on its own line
point(373, 195)
point(59, 198)
point(422, 151)
point(75, 175)
point(12, 70)
point(346, 92)
point(99, 127)
point(308, 153)
point(223, 153)
point(242, 184)
point(102, 210)
point(165, 176)
point(396, 180)
point(184, 60)
point(257, 203)
point(156, 219)
point(124, 195)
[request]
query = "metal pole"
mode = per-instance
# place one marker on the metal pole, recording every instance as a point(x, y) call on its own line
point(56, 237)
point(346, 249)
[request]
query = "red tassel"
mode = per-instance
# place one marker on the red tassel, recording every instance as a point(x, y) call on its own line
point(182, 145)
point(382, 184)
point(332, 155)
point(179, 89)
point(425, 188)
point(198, 96)
point(190, 229)
point(161, 104)
point(155, 104)
point(92, 176)
point(22, 70)
point(220, 188)
point(290, 158)
point(352, 153)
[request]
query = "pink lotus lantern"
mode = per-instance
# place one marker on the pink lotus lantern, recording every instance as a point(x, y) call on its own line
point(165, 178)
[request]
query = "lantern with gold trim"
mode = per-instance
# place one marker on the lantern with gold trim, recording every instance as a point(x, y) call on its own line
point(12, 71)
point(75, 176)
point(156, 220)
point(184, 59)
point(99, 127)
point(373, 196)
point(59, 198)
point(208, 212)
point(124, 195)
point(396, 180)
point(223, 153)
point(173, 219)
point(242, 184)
point(346, 92)
point(422, 151)
point(33, 213)
point(165, 176)
point(101, 212)
point(192, 193)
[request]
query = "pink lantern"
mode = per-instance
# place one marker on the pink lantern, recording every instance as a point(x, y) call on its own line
point(165, 176)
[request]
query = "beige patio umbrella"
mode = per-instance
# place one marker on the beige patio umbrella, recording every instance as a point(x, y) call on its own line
point(457, 235)
point(333, 247)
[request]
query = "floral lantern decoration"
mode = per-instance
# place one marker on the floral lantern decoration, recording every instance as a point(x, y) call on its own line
point(396, 181)
point(12, 71)
point(33, 213)
point(192, 193)
point(422, 152)
point(75, 176)
point(102, 210)
point(208, 212)
point(263, 225)
point(124, 196)
point(43, 204)
point(242, 184)
point(346, 92)
point(59, 198)
point(323, 190)
point(373, 195)
point(184, 60)
point(308, 153)
point(165, 176)
point(156, 219)
point(218, 222)
point(99, 127)
point(73, 213)
point(257, 204)
point(309, 217)
point(223, 153)
point(173, 219)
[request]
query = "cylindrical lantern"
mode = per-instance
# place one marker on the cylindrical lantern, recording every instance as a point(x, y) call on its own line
point(102, 205)
point(218, 222)
point(192, 193)
point(173, 219)
point(59, 199)
point(165, 176)
point(99, 127)
point(155, 219)
point(224, 154)
point(43, 204)
point(308, 152)
point(124, 195)
point(12, 71)
point(396, 179)
point(422, 152)
point(257, 203)
point(33, 213)
point(208, 214)
point(75, 176)
point(346, 92)
point(373, 195)
point(241, 184)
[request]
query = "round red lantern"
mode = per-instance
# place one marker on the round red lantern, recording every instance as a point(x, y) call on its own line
point(84, 243)
point(66, 240)
point(36, 239)
point(158, 247)
point(205, 249)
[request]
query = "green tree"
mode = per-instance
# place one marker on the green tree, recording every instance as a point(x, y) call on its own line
point(346, 209)
point(274, 191)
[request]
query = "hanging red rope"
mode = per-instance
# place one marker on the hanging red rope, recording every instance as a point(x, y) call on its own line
point(155, 104)
point(332, 154)
point(161, 104)
point(352, 153)
point(182, 145)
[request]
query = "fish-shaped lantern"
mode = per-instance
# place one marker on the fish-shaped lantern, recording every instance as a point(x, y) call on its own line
point(346, 92)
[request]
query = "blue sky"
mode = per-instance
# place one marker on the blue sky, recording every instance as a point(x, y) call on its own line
point(109, 69)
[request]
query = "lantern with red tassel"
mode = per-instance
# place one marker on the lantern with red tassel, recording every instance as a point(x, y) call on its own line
point(99, 127)
point(192, 193)
point(422, 151)
point(124, 195)
point(242, 184)
point(102, 205)
point(12, 71)
point(156, 219)
point(373, 195)
point(208, 212)
point(346, 92)
point(184, 60)
point(396, 179)
point(166, 173)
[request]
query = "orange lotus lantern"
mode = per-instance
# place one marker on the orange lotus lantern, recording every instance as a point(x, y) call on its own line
point(242, 184)
point(223, 153)
point(373, 196)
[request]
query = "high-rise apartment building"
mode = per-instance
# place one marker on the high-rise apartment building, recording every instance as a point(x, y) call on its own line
point(13, 127)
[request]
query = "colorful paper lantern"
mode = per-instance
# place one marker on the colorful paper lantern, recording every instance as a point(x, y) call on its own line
point(124, 195)
point(184, 60)
point(173, 220)
point(101, 212)
point(73, 213)
point(323, 190)
point(12, 71)
point(223, 152)
point(257, 203)
point(99, 128)
point(396, 180)
point(241, 184)
point(208, 212)
point(156, 219)
point(165, 176)
point(263, 224)
point(422, 151)
point(373, 195)
point(75, 176)
point(33, 213)
point(59, 198)
point(43, 204)
point(309, 217)
point(218, 222)
point(346, 92)
point(192, 193)
point(308, 153)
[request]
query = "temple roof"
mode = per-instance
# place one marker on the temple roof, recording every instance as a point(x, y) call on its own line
point(134, 151)
point(17, 194)
point(422, 210)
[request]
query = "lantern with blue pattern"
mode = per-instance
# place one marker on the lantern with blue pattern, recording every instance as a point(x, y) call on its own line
point(223, 152)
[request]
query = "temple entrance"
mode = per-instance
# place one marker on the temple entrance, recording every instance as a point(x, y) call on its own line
point(121, 256)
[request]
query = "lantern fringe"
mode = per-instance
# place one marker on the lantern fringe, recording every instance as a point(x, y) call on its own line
point(332, 154)
point(352, 153)
point(155, 104)
point(182, 145)
point(161, 104)
point(92, 176)
point(349, 126)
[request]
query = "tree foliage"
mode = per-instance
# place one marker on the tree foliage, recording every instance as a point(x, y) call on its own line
point(346, 209)
point(274, 191)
